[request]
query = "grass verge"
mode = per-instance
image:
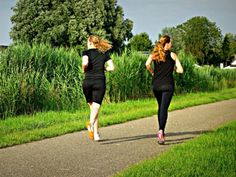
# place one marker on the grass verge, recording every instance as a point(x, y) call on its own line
point(22, 129)
point(211, 154)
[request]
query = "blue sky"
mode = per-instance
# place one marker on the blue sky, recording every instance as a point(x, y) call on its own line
point(151, 16)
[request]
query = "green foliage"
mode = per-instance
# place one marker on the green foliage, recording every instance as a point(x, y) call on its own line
point(176, 37)
point(40, 78)
point(201, 36)
point(130, 80)
point(186, 82)
point(228, 48)
point(69, 22)
point(207, 78)
point(140, 42)
point(198, 37)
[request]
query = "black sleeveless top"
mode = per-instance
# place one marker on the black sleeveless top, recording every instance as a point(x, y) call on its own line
point(96, 63)
point(163, 73)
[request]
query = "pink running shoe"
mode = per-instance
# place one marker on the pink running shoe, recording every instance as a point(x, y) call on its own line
point(160, 138)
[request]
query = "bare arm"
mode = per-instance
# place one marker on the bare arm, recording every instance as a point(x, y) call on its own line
point(148, 65)
point(110, 66)
point(179, 68)
point(85, 62)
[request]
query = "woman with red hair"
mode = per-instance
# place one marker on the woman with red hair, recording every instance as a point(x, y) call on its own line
point(165, 62)
point(94, 85)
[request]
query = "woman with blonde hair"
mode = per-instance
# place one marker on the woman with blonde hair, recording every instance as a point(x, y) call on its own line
point(165, 62)
point(94, 84)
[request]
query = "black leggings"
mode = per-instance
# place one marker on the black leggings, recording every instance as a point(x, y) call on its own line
point(163, 99)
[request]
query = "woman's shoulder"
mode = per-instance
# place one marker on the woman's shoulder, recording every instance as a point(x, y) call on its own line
point(85, 52)
point(89, 51)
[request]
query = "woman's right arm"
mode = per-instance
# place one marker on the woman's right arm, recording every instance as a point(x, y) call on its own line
point(179, 68)
point(85, 62)
point(148, 65)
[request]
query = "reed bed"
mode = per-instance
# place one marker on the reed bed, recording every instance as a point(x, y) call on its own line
point(35, 78)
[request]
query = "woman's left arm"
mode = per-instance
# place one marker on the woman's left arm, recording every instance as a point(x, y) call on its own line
point(179, 68)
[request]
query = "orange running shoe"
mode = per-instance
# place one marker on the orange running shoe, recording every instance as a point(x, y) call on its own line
point(90, 130)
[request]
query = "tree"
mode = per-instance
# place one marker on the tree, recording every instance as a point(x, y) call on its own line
point(69, 22)
point(199, 37)
point(140, 42)
point(176, 35)
point(228, 48)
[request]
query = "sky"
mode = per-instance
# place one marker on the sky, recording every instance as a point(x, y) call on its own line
point(151, 16)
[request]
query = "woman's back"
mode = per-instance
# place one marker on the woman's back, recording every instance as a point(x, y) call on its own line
point(163, 70)
point(96, 63)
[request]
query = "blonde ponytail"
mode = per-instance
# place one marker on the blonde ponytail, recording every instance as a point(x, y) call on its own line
point(102, 45)
point(158, 53)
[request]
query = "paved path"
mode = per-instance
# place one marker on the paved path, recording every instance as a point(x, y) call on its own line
point(74, 155)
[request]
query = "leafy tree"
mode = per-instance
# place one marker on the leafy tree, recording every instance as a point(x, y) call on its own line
point(232, 38)
point(199, 37)
point(140, 42)
point(69, 22)
point(176, 37)
point(226, 49)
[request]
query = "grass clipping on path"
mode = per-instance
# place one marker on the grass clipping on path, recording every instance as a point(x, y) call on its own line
point(211, 154)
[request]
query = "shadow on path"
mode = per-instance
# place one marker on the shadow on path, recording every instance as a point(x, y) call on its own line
point(169, 139)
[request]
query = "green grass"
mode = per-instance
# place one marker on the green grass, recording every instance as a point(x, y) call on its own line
point(211, 154)
point(22, 129)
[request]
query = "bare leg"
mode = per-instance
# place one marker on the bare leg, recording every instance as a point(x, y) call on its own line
point(94, 110)
point(96, 125)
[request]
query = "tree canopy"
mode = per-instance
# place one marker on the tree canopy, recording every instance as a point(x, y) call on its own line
point(69, 22)
point(140, 42)
point(199, 37)
point(228, 48)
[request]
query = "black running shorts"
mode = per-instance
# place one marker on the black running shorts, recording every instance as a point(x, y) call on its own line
point(94, 90)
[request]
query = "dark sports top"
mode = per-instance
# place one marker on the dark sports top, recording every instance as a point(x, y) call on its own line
point(163, 71)
point(96, 63)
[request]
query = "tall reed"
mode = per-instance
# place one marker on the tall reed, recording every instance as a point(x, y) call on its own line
point(130, 79)
point(40, 78)
point(207, 78)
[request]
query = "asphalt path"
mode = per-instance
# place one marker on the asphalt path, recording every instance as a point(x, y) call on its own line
point(74, 155)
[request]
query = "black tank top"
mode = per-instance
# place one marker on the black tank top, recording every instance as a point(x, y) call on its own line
point(163, 72)
point(96, 63)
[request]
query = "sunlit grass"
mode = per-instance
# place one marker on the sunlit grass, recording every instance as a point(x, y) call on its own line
point(22, 129)
point(211, 154)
